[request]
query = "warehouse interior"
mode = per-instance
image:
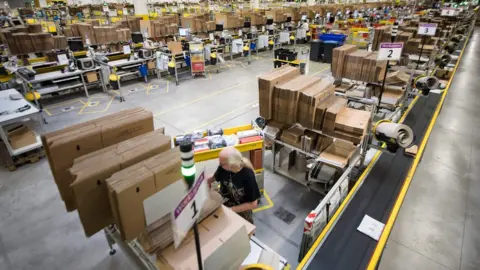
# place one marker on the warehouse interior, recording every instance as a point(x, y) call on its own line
point(357, 121)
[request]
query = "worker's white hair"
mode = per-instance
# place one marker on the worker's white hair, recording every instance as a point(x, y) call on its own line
point(235, 158)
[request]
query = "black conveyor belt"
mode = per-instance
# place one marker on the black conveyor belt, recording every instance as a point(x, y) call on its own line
point(347, 248)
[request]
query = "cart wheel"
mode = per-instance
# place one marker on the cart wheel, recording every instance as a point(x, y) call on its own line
point(112, 252)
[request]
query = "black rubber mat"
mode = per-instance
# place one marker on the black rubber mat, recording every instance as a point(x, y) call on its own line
point(284, 215)
point(346, 248)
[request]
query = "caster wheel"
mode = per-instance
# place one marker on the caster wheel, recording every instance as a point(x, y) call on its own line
point(112, 252)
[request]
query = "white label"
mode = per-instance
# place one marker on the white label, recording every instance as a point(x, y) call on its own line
point(126, 49)
point(210, 36)
point(240, 32)
point(390, 51)
point(448, 12)
point(371, 227)
point(125, 11)
point(189, 208)
point(62, 59)
point(105, 9)
point(427, 29)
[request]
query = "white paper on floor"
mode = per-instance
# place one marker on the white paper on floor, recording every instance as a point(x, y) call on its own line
point(371, 227)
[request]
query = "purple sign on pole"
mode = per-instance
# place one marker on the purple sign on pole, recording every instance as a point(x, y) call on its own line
point(397, 45)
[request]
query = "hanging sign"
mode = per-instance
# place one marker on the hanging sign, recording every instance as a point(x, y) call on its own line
point(447, 12)
point(427, 29)
point(390, 51)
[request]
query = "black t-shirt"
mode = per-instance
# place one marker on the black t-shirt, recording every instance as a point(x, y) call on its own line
point(238, 188)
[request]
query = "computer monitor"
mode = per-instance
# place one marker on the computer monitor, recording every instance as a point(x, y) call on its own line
point(247, 24)
point(269, 21)
point(137, 37)
point(183, 31)
point(218, 27)
point(75, 45)
point(289, 19)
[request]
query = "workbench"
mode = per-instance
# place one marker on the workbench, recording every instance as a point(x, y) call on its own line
point(6, 104)
point(57, 81)
point(134, 251)
point(124, 68)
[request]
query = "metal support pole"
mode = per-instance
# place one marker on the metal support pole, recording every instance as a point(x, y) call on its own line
point(421, 51)
point(383, 86)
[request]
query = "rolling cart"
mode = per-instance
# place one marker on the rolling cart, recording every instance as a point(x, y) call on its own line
point(197, 59)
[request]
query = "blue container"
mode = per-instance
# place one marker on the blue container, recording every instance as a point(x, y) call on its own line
point(333, 37)
point(143, 70)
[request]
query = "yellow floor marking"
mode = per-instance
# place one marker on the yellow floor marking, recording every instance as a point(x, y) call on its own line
point(99, 111)
point(264, 207)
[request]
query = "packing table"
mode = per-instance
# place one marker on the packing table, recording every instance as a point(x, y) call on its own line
point(6, 104)
point(134, 251)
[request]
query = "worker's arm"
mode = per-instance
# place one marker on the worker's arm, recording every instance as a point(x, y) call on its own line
point(211, 179)
point(245, 206)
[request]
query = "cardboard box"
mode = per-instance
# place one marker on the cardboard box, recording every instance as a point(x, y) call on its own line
point(285, 98)
point(337, 104)
point(310, 98)
point(214, 231)
point(256, 157)
point(338, 153)
point(89, 175)
point(352, 121)
point(128, 189)
point(266, 84)
point(175, 47)
point(63, 146)
point(21, 136)
point(92, 77)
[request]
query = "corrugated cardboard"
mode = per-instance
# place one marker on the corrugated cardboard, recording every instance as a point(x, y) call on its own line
point(128, 189)
point(175, 47)
point(352, 120)
point(214, 231)
point(267, 82)
point(339, 152)
point(63, 146)
point(89, 175)
point(285, 98)
point(338, 103)
point(310, 98)
point(339, 54)
point(21, 136)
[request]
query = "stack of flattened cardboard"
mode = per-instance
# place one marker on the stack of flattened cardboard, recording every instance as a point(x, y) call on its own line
point(293, 136)
point(412, 45)
point(373, 70)
point(124, 35)
point(159, 234)
point(60, 42)
point(64, 146)
point(404, 37)
point(90, 172)
point(391, 94)
point(353, 65)
point(337, 105)
point(351, 124)
point(310, 98)
point(397, 77)
point(339, 58)
point(338, 153)
point(42, 42)
point(266, 84)
point(105, 34)
point(320, 110)
point(23, 43)
point(285, 98)
point(85, 30)
point(381, 34)
point(35, 28)
point(128, 189)
point(220, 228)
point(134, 24)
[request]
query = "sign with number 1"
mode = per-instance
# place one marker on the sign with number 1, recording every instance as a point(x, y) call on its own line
point(390, 51)
point(189, 208)
point(427, 29)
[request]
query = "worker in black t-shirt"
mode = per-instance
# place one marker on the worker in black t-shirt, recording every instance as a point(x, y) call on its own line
point(238, 185)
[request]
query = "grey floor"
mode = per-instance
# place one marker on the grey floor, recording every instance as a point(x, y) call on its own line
point(36, 231)
point(438, 226)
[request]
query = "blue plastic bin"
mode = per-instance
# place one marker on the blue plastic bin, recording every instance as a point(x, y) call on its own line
point(333, 37)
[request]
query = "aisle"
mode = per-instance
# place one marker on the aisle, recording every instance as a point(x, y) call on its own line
point(438, 226)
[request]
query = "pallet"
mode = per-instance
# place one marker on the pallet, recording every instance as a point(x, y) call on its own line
point(29, 157)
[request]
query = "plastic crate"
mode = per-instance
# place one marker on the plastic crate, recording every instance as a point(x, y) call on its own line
point(339, 38)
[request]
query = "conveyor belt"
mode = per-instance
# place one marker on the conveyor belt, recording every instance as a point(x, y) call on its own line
point(347, 248)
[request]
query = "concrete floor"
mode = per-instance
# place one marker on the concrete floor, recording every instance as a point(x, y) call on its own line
point(36, 231)
point(438, 226)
